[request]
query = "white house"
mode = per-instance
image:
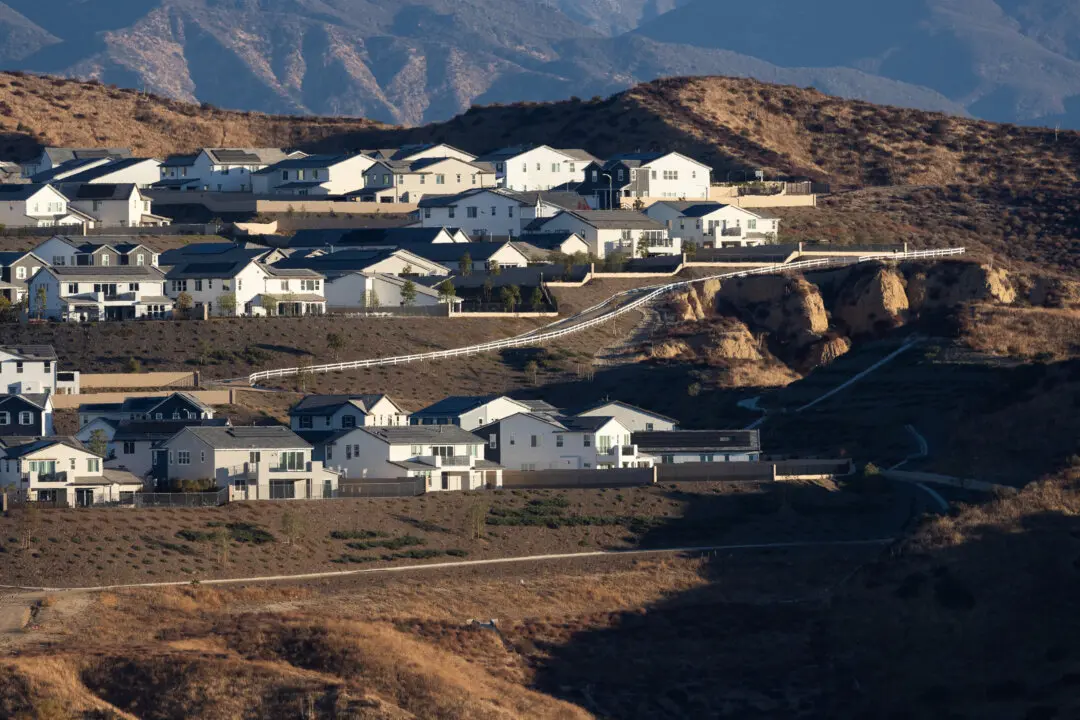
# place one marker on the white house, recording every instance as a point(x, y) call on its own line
point(221, 169)
point(52, 157)
point(27, 369)
point(700, 446)
point(447, 457)
point(714, 225)
point(344, 412)
point(316, 175)
point(539, 247)
point(409, 181)
point(237, 285)
point(629, 179)
point(89, 294)
point(132, 443)
point(494, 212)
point(468, 411)
point(33, 205)
point(530, 441)
point(609, 231)
point(60, 251)
point(113, 205)
point(420, 151)
point(371, 291)
point(537, 167)
point(256, 463)
point(631, 417)
point(64, 471)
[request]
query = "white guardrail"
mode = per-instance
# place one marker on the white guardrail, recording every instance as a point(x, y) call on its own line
point(553, 331)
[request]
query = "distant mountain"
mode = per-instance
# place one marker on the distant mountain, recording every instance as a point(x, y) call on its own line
point(416, 61)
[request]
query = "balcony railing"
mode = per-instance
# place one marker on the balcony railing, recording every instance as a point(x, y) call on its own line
point(729, 232)
point(456, 461)
point(629, 449)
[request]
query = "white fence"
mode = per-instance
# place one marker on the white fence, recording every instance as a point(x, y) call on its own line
point(581, 321)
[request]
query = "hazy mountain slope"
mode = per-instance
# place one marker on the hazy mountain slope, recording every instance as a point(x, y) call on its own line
point(1006, 60)
point(19, 37)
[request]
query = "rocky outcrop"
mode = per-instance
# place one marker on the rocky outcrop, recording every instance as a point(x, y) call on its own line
point(948, 284)
point(875, 302)
point(734, 342)
point(826, 350)
point(1053, 292)
point(789, 308)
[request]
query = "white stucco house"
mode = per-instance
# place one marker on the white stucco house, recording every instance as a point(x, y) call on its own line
point(237, 284)
point(715, 225)
point(632, 178)
point(494, 212)
point(34, 205)
point(409, 181)
point(468, 411)
point(631, 417)
point(90, 294)
point(28, 369)
point(700, 446)
point(113, 205)
point(533, 441)
point(313, 175)
point(332, 413)
point(64, 471)
point(537, 167)
point(255, 463)
point(610, 231)
point(218, 169)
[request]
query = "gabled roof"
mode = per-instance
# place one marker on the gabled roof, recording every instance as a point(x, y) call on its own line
point(38, 400)
point(63, 154)
point(248, 438)
point(142, 405)
point(98, 191)
point(319, 405)
point(612, 220)
point(698, 441)
point(13, 256)
point(433, 201)
point(547, 241)
point(113, 273)
point(245, 156)
point(448, 254)
point(407, 151)
point(212, 252)
point(208, 269)
point(15, 192)
point(458, 404)
point(180, 160)
point(107, 169)
point(290, 272)
point(346, 262)
point(363, 236)
point(30, 352)
point(310, 161)
point(21, 447)
point(417, 434)
point(66, 169)
point(555, 198)
point(156, 430)
point(587, 423)
point(579, 154)
point(627, 406)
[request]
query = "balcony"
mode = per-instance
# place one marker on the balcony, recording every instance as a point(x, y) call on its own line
point(33, 478)
point(728, 232)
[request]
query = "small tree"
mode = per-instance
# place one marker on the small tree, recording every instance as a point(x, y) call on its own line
point(5, 307)
point(447, 291)
point(204, 351)
point(99, 443)
point(510, 296)
point(494, 267)
point(408, 293)
point(476, 521)
point(487, 289)
point(690, 249)
point(41, 297)
point(269, 304)
point(372, 299)
point(292, 526)
point(335, 343)
point(465, 264)
point(643, 246)
point(536, 300)
point(303, 372)
point(407, 270)
point(227, 305)
point(184, 303)
point(133, 366)
point(532, 371)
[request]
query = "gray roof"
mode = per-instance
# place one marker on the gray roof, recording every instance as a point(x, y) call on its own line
point(628, 406)
point(134, 273)
point(547, 241)
point(437, 434)
point(617, 219)
point(14, 192)
point(245, 438)
point(559, 199)
point(245, 156)
point(37, 399)
point(156, 430)
point(180, 160)
point(102, 170)
point(290, 272)
point(329, 404)
point(212, 252)
point(30, 352)
point(63, 154)
point(698, 441)
point(579, 154)
point(21, 447)
point(310, 161)
point(97, 191)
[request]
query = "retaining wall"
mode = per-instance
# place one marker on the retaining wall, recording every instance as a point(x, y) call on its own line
point(68, 402)
point(622, 477)
point(137, 380)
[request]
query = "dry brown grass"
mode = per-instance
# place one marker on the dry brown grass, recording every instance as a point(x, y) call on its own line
point(1044, 334)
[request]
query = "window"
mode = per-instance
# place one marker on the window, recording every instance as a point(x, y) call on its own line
point(524, 167)
point(348, 421)
point(385, 179)
point(284, 174)
point(494, 211)
point(20, 273)
point(513, 439)
point(603, 443)
point(348, 452)
point(669, 175)
point(254, 457)
point(587, 441)
point(284, 284)
point(159, 416)
point(129, 448)
point(452, 211)
point(751, 224)
point(183, 457)
point(445, 482)
point(493, 441)
point(596, 176)
point(706, 458)
point(559, 440)
point(427, 213)
point(667, 459)
point(440, 179)
point(459, 179)
point(309, 285)
point(291, 460)
point(621, 174)
point(648, 427)
point(416, 450)
point(198, 286)
point(59, 260)
point(535, 441)
point(5, 418)
point(19, 366)
point(423, 179)
point(510, 210)
point(105, 261)
point(471, 212)
point(556, 167)
point(179, 286)
point(133, 287)
point(314, 174)
point(474, 179)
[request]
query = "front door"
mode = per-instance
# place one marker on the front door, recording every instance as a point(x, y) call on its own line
point(84, 497)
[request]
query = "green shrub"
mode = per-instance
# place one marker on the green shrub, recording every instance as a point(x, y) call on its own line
point(356, 534)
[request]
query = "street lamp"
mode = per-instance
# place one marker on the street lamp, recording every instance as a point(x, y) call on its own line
point(611, 191)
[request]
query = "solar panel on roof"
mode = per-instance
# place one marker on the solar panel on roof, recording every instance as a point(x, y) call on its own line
point(236, 156)
point(95, 192)
point(208, 267)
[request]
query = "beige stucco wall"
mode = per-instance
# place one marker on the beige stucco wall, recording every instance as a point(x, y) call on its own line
point(137, 380)
point(67, 402)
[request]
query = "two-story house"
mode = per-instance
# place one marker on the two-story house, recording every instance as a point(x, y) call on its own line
point(239, 285)
point(256, 463)
point(36, 205)
point(90, 294)
point(468, 411)
point(233, 169)
point(409, 181)
point(113, 205)
point(537, 167)
point(174, 406)
point(16, 269)
point(631, 417)
point(632, 178)
point(700, 446)
point(62, 470)
point(178, 173)
point(26, 415)
point(61, 251)
point(611, 231)
point(493, 212)
point(447, 457)
point(532, 441)
point(27, 369)
point(332, 239)
point(714, 225)
point(333, 413)
point(131, 443)
point(420, 151)
point(141, 172)
point(52, 157)
point(315, 175)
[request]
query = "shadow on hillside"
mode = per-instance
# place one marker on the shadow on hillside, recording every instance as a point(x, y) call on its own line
point(19, 146)
point(985, 629)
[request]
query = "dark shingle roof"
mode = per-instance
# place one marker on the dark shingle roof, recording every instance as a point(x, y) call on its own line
point(64, 154)
point(698, 440)
point(102, 170)
point(245, 156)
point(311, 161)
point(548, 241)
point(111, 273)
point(36, 399)
point(206, 270)
point(363, 236)
point(450, 434)
point(243, 438)
point(702, 209)
point(211, 252)
point(450, 253)
point(329, 404)
point(139, 430)
point(98, 191)
point(179, 161)
point(30, 445)
point(13, 192)
point(617, 219)
point(68, 168)
point(584, 424)
point(455, 405)
point(628, 406)
point(13, 256)
point(30, 352)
